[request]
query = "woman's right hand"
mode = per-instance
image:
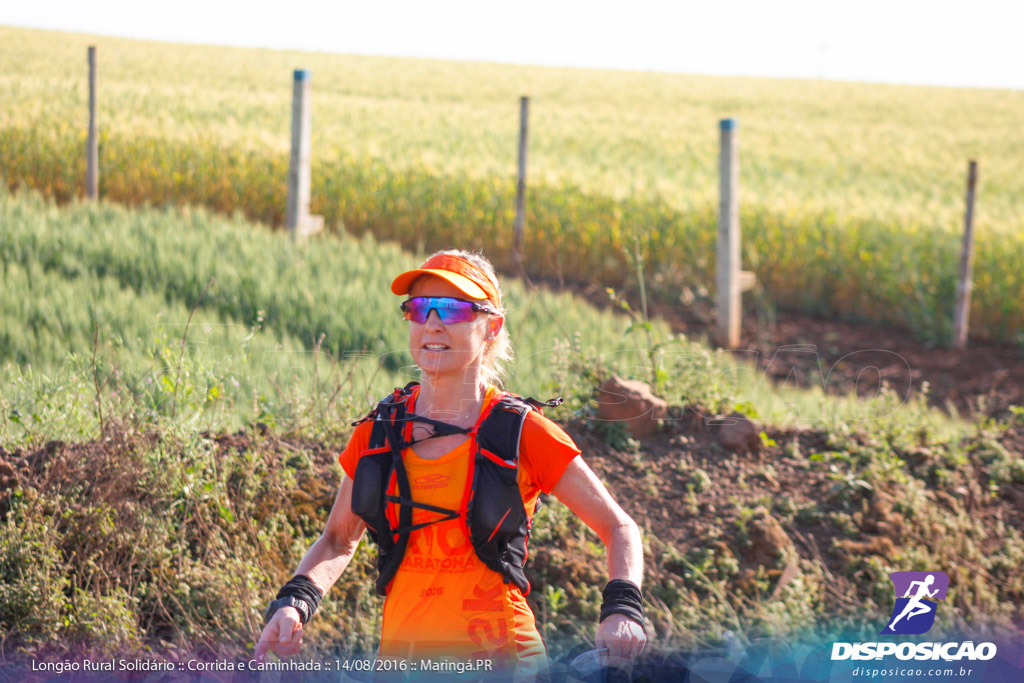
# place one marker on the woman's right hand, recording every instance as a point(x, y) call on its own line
point(282, 634)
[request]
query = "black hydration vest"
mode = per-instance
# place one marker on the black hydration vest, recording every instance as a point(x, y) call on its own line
point(495, 516)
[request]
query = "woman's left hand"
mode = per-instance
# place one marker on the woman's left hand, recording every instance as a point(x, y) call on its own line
point(623, 637)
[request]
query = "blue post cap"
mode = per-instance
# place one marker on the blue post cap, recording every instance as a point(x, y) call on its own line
point(302, 74)
point(728, 124)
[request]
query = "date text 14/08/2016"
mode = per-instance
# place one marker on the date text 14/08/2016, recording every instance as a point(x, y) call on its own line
point(443, 665)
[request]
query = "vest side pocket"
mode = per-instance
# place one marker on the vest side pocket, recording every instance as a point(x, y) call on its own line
point(367, 489)
point(499, 523)
point(499, 512)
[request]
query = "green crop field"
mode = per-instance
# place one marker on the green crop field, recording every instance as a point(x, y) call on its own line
point(247, 314)
point(852, 194)
point(180, 307)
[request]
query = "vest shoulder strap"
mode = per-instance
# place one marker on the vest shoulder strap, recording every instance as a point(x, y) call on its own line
point(500, 431)
point(378, 439)
point(539, 405)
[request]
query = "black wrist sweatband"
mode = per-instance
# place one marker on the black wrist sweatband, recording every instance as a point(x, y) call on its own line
point(301, 587)
point(623, 597)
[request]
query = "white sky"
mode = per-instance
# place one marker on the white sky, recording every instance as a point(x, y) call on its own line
point(938, 42)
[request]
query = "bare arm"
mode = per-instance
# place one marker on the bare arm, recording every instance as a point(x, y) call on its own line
point(323, 563)
point(584, 494)
point(330, 554)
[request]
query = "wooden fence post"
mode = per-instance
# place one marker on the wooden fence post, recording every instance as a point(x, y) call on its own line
point(524, 130)
point(92, 143)
point(297, 218)
point(963, 291)
point(729, 279)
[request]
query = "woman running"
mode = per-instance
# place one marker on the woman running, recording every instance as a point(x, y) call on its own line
point(445, 475)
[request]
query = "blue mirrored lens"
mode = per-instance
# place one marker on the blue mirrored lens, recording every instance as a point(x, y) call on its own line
point(449, 310)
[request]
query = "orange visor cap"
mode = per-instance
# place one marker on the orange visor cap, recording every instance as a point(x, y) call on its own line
point(469, 279)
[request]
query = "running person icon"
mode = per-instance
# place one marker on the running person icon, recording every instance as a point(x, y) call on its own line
point(914, 606)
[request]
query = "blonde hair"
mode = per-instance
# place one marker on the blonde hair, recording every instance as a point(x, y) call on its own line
point(498, 353)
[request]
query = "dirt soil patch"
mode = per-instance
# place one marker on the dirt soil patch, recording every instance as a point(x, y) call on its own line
point(842, 357)
point(727, 510)
point(653, 486)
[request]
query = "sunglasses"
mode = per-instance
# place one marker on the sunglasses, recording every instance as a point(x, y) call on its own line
point(449, 309)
